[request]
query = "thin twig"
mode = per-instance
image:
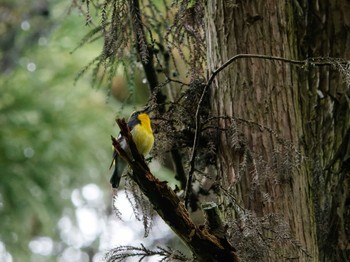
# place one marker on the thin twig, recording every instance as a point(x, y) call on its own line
point(309, 61)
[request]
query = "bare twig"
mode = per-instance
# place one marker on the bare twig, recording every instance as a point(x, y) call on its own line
point(316, 61)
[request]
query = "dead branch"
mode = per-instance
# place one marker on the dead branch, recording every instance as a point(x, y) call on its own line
point(204, 245)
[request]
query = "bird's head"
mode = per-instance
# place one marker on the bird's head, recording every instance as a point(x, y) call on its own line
point(139, 117)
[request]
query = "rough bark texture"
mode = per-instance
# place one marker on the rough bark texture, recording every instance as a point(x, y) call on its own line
point(204, 241)
point(326, 125)
point(290, 121)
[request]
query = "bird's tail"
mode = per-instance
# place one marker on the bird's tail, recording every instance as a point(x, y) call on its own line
point(118, 170)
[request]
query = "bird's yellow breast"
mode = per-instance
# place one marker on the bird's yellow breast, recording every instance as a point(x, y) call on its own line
point(142, 135)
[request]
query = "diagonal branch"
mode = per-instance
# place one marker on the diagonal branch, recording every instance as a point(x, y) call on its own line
point(204, 245)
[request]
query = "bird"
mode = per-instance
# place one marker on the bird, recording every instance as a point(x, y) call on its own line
point(139, 124)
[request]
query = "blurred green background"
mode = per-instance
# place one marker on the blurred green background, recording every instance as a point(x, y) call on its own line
point(55, 198)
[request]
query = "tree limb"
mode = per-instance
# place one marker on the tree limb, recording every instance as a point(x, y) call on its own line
point(204, 245)
point(145, 51)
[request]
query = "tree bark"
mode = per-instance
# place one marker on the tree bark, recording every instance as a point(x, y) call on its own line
point(288, 122)
point(326, 119)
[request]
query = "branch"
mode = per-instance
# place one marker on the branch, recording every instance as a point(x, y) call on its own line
point(179, 169)
point(145, 51)
point(214, 223)
point(204, 245)
point(146, 54)
point(309, 61)
point(122, 253)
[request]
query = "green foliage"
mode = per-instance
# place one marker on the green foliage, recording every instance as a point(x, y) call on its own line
point(20, 28)
point(165, 38)
point(54, 138)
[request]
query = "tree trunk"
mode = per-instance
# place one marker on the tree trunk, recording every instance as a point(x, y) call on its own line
point(278, 158)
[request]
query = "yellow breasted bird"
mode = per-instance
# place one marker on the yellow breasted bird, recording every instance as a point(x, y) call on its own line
point(140, 128)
